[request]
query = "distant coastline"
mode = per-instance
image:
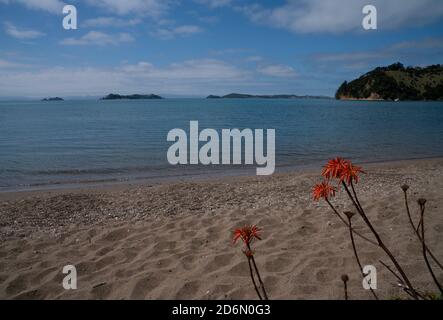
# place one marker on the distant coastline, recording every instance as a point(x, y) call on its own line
point(53, 99)
point(277, 96)
point(113, 96)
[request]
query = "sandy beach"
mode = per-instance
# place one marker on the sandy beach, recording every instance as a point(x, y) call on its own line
point(174, 240)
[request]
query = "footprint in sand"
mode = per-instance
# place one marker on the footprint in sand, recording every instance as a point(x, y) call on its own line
point(145, 285)
point(278, 264)
point(18, 284)
point(31, 295)
point(165, 245)
point(239, 269)
point(188, 290)
point(102, 291)
point(103, 251)
point(324, 275)
point(219, 261)
point(116, 235)
point(40, 276)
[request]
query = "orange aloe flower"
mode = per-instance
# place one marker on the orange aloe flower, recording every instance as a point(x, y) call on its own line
point(323, 190)
point(343, 170)
point(334, 168)
point(247, 234)
point(350, 173)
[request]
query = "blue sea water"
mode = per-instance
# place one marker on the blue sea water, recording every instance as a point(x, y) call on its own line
point(52, 143)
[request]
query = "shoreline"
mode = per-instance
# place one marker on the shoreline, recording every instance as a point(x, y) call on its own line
point(174, 240)
point(209, 176)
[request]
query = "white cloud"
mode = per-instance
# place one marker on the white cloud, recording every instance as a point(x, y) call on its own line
point(350, 56)
point(8, 64)
point(254, 59)
point(230, 51)
point(153, 8)
point(52, 6)
point(110, 22)
point(427, 43)
point(185, 78)
point(277, 70)
point(170, 33)
point(209, 19)
point(99, 38)
point(22, 34)
point(334, 16)
point(392, 52)
point(203, 69)
point(419, 52)
point(215, 3)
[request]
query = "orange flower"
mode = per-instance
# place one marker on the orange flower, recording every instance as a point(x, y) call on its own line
point(247, 234)
point(350, 173)
point(323, 190)
point(334, 168)
point(341, 169)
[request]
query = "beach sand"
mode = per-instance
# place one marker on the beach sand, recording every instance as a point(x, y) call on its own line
point(174, 240)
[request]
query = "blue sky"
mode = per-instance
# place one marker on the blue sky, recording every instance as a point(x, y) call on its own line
point(201, 47)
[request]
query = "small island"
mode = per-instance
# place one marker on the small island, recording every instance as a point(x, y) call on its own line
point(395, 83)
point(53, 99)
point(277, 96)
point(114, 96)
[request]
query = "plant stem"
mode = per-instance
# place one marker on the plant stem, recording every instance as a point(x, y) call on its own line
point(355, 195)
point(258, 275)
point(346, 290)
point(422, 209)
point(356, 256)
point(402, 283)
point(418, 233)
point(379, 240)
point(253, 279)
point(347, 225)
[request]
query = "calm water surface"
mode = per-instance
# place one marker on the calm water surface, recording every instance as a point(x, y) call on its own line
point(51, 143)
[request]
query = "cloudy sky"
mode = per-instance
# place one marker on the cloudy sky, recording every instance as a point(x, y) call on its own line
point(201, 47)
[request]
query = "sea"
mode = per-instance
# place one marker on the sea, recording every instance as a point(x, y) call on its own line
point(67, 143)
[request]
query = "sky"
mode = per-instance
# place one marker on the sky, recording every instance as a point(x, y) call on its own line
point(193, 48)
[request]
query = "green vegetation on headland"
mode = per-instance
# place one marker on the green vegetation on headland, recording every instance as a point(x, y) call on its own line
point(278, 96)
point(113, 96)
point(395, 82)
point(53, 99)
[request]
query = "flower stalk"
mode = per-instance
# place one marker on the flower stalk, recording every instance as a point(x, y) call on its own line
point(422, 203)
point(380, 242)
point(416, 229)
point(347, 174)
point(345, 280)
point(247, 234)
point(349, 215)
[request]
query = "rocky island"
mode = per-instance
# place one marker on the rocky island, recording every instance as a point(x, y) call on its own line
point(114, 96)
point(395, 82)
point(53, 99)
point(250, 96)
